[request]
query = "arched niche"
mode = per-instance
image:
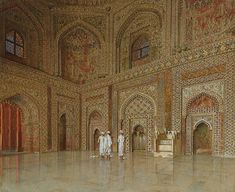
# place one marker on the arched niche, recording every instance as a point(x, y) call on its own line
point(67, 110)
point(143, 22)
point(30, 122)
point(96, 137)
point(62, 133)
point(203, 109)
point(80, 55)
point(138, 109)
point(202, 138)
point(10, 128)
point(19, 18)
point(95, 125)
point(139, 140)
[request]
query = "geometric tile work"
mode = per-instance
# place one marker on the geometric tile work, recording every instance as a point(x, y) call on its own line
point(95, 100)
point(15, 86)
point(229, 119)
point(138, 110)
point(204, 110)
point(138, 106)
point(214, 88)
point(209, 83)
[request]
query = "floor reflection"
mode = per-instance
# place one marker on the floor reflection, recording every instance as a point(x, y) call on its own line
point(78, 171)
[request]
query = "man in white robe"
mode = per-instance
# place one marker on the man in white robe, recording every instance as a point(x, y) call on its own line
point(121, 140)
point(101, 141)
point(108, 144)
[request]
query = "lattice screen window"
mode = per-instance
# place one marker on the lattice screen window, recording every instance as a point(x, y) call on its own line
point(14, 44)
point(140, 48)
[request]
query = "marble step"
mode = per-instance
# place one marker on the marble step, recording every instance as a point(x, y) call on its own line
point(166, 142)
point(163, 154)
point(165, 148)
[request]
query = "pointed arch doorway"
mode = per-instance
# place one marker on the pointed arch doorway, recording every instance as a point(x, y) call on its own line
point(62, 133)
point(96, 137)
point(204, 126)
point(93, 129)
point(10, 128)
point(202, 139)
point(138, 139)
point(138, 109)
point(19, 124)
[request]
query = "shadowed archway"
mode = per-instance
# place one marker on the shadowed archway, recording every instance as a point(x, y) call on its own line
point(96, 137)
point(19, 127)
point(93, 129)
point(138, 139)
point(62, 133)
point(202, 139)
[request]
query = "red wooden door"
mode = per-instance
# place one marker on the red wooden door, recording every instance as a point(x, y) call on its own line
point(10, 127)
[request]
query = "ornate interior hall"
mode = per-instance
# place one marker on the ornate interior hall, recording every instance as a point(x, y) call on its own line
point(160, 72)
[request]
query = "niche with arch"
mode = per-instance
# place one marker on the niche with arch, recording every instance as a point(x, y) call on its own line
point(96, 137)
point(80, 55)
point(95, 125)
point(139, 138)
point(10, 128)
point(139, 40)
point(23, 37)
point(138, 109)
point(203, 132)
point(202, 139)
point(62, 133)
point(20, 124)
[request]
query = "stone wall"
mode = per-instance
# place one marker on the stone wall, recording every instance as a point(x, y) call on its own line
point(49, 95)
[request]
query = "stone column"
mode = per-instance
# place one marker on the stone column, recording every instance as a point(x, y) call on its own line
point(77, 127)
point(54, 121)
point(115, 121)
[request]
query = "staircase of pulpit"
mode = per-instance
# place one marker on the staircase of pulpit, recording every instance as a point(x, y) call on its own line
point(165, 144)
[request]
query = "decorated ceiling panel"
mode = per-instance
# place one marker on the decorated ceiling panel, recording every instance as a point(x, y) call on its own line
point(77, 2)
point(206, 19)
point(80, 51)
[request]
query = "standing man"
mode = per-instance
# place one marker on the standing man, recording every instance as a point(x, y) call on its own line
point(108, 144)
point(121, 140)
point(101, 142)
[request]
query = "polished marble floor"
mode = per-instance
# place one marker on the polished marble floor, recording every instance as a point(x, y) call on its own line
point(84, 172)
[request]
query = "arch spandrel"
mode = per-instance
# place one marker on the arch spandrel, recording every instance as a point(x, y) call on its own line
point(131, 17)
point(79, 23)
point(212, 101)
point(142, 96)
point(141, 21)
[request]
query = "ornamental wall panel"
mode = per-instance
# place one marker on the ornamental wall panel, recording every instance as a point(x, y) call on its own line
point(19, 87)
point(94, 100)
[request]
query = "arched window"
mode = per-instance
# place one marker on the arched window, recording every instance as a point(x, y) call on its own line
point(15, 44)
point(140, 48)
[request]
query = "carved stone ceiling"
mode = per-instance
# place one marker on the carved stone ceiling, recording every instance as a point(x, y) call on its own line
point(76, 2)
